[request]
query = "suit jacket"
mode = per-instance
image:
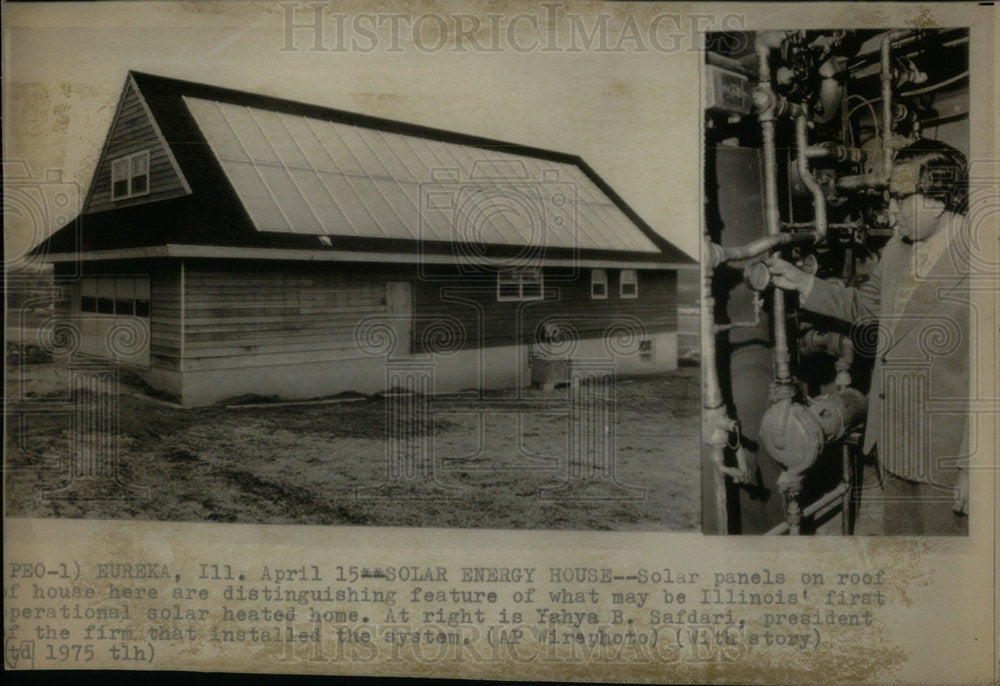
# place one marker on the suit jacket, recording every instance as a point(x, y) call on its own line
point(918, 404)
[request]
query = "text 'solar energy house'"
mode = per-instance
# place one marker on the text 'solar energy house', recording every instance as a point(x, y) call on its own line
point(263, 246)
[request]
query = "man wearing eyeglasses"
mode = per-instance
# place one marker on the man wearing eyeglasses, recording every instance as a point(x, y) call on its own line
point(918, 297)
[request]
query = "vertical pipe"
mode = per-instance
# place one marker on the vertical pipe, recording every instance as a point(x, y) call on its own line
point(782, 359)
point(711, 390)
point(819, 201)
point(712, 403)
point(846, 513)
point(886, 107)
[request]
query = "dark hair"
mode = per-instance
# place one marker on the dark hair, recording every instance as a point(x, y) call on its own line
point(943, 172)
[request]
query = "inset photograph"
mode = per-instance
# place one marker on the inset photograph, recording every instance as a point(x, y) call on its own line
point(835, 283)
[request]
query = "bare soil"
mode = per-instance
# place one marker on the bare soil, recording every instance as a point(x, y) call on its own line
point(328, 463)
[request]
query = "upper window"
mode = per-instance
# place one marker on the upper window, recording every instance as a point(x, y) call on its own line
point(598, 284)
point(519, 284)
point(130, 176)
point(629, 284)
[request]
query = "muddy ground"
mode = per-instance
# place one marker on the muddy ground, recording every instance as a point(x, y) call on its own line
point(327, 463)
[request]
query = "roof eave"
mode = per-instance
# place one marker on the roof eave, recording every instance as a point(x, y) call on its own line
point(174, 250)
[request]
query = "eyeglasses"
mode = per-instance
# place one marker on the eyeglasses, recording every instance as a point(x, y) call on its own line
point(899, 197)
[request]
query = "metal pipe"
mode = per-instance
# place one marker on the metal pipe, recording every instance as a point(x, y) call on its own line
point(862, 181)
point(729, 63)
point(819, 200)
point(847, 474)
point(782, 358)
point(711, 389)
point(839, 153)
point(935, 86)
point(764, 244)
point(812, 509)
point(713, 409)
point(848, 226)
point(886, 78)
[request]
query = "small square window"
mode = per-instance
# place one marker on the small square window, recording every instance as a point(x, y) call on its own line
point(508, 291)
point(598, 284)
point(531, 290)
point(646, 351)
point(645, 346)
point(629, 284)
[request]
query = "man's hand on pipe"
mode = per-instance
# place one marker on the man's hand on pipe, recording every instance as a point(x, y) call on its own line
point(787, 276)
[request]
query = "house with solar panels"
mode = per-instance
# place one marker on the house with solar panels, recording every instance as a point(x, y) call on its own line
point(250, 245)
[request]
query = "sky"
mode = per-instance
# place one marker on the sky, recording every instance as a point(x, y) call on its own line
point(616, 85)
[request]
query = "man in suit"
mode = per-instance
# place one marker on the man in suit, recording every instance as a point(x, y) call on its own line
point(918, 297)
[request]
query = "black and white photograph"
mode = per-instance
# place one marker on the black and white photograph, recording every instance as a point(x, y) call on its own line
point(285, 298)
point(565, 341)
point(836, 289)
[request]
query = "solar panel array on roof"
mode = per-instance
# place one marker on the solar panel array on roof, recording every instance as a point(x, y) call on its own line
point(313, 176)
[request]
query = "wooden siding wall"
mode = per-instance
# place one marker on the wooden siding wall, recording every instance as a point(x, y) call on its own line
point(131, 132)
point(238, 316)
point(165, 317)
point(567, 298)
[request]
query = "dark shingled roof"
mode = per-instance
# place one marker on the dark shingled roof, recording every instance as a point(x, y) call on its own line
point(213, 215)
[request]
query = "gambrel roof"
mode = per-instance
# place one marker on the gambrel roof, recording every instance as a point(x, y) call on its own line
point(231, 171)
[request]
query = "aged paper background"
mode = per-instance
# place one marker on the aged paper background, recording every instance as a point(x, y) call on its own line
point(63, 69)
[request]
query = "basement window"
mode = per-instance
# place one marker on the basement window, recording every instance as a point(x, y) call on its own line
point(629, 284)
point(519, 284)
point(598, 284)
point(646, 351)
point(130, 176)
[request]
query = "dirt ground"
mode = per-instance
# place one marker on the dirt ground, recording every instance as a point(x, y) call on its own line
point(483, 467)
